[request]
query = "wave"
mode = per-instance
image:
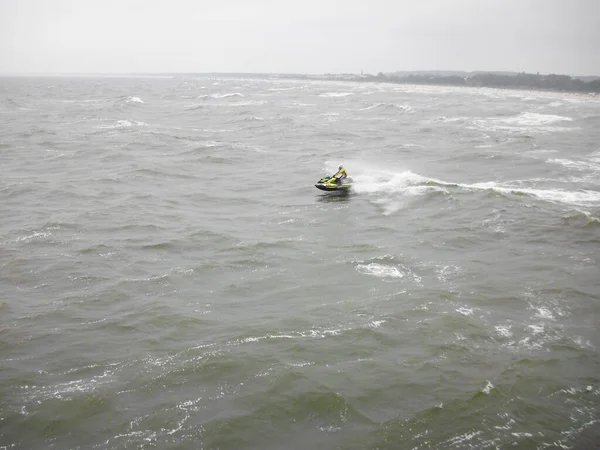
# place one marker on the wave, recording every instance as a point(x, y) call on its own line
point(388, 182)
point(335, 94)
point(595, 157)
point(285, 89)
point(249, 103)
point(387, 268)
point(575, 165)
point(121, 124)
point(48, 230)
point(380, 271)
point(393, 189)
point(386, 106)
point(579, 198)
point(36, 130)
point(217, 96)
point(524, 122)
point(582, 219)
point(534, 119)
point(218, 160)
point(132, 99)
point(195, 107)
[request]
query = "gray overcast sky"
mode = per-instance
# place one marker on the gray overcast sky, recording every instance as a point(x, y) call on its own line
point(308, 36)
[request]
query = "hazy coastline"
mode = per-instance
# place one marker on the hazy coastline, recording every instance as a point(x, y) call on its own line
point(576, 86)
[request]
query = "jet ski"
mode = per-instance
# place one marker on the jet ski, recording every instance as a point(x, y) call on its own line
point(331, 184)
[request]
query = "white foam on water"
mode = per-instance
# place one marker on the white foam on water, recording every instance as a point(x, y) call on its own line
point(579, 198)
point(312, 333)
point(508, 424)
point(465, 311)
point(303, 364)
point(388, 106)
point(335, 94)
point(121, 124)
point(595, 157)
point(528, 118)
point(34, 235)
point(322, 333)
point(488, 387)
point(524, 122)
point(379, 270)
point(249, 103)
point(462, 438)
point(445, 273)
point(503, 330)
point(134, 100)
point(444, 119)
point(544, 313)
point(66, 389)
point(330, 429)
point(387, 182)
point(575, 165)
point(232, 94)
point(286, 221)
point(582, 343)
point(376, 323)
point(390, 185)
point(283, 89)
point(536, 329)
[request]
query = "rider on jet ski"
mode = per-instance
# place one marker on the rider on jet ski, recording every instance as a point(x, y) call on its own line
point(340, 175)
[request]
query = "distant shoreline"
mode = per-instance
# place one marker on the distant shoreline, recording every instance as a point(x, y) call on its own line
point(556, 84)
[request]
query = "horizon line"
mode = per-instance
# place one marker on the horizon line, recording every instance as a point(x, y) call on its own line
point(358, 74)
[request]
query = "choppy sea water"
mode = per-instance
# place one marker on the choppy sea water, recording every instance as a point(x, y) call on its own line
point(170, 277)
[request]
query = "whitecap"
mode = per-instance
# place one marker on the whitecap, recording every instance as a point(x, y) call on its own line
point(124, 124)
point(581, 198)
point(465, 311)
point(458, 440)
point(576, 165)
point(282, 89)
point(249, 103)
point(303, 364)
point(134, 100)
point(526, 121)
point(536, 329)
point(544, 313)
point(503, 330)
point(386, 106)
point(335, 94)
point(379, 270)
point(488, 387)
point(232, 94)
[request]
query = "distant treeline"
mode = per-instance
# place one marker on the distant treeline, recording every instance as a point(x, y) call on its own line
point(489, 79)
point(507, 80)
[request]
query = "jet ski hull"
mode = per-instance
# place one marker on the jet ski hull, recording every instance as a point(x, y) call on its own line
point(331, 187)
point(328, 184)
